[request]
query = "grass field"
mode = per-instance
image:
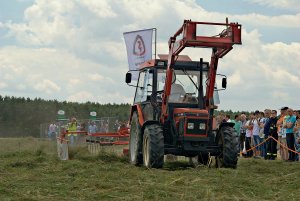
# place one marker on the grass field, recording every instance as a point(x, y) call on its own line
point(30, 170)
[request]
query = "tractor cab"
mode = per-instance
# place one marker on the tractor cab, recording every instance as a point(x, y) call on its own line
point(187, 89)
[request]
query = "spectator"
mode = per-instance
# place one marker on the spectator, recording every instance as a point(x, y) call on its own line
point(123, 125)
point(242, 131)
point(223, 117)
point(297, 128)
point(265, 130)
point(270, 129)
point(282, 133)
point(116, 126)
point(227, 118)
point(78, 127)
point(255, 133)
point(92, 128)
point(297, 146)
point(249, 128)
point(72, 127)
point(297, 114)
point(218, 120)
point(52, 131)
point(262, 121)
point(106, 127)
point(237, 128)
point(297, 136)
point(83, 127)
point(237, 124)
point(289, 123)
point(128, 124)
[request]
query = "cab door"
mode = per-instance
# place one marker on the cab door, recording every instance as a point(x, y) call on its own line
point(143, 93)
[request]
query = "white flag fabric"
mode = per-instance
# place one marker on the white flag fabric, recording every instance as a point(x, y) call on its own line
point(139, 47)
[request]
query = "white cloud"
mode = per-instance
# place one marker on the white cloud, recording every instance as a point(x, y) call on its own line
point(235, 79)
point(46, 86)
point(95, 77)
point(3, 85)
point(73, 81)
point(21, 87)
point(82, 96)
point(139, 10)
point(279, 95)
point(289, 4)
point(8, 77)
point(100, 8)
point(283, 21)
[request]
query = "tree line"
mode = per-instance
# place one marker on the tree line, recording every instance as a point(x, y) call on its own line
point(23, 116)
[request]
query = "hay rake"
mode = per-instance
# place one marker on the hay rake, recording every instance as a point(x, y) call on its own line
point(94, 141)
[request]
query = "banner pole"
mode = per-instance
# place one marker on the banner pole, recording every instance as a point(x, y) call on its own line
point(155, 42)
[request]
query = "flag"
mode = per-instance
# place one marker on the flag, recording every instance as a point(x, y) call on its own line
point(139, 48)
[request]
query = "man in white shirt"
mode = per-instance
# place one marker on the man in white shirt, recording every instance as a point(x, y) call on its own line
point(249, 132)
point(256, 138)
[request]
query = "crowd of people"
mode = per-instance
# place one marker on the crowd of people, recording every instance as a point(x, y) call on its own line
point(260, 134)
point(265, 134)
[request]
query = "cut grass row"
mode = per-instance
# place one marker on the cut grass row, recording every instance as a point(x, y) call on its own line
point(32, 171)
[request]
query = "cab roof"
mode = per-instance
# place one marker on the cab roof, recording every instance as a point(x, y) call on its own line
point(181, 61)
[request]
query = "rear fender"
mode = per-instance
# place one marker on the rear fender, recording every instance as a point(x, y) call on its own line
point(143, 124)
point(137, 108)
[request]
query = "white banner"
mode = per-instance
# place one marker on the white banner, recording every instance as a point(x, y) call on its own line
point(139, 47)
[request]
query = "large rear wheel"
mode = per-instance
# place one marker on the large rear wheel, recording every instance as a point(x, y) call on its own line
point(135, 141)
point(228, 141)
point(153, 146)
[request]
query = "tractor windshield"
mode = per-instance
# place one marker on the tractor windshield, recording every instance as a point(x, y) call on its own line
point(184, 87)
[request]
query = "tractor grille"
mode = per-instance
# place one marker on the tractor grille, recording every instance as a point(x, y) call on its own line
point(196, 126)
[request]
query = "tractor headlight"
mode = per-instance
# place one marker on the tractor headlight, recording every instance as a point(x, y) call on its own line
point(202, 126)
point(190, 126)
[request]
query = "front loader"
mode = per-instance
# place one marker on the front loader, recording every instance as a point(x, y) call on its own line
point(174, 102)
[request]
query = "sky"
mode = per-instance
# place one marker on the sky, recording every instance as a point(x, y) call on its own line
point(74, 50)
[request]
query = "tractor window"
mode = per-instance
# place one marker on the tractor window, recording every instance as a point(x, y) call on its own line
point(184, 86)
point(144, 86)
point(161, 77)
point(216, 97)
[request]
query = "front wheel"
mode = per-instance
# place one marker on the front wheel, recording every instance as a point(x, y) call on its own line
point(228, 141)
point(153, 147)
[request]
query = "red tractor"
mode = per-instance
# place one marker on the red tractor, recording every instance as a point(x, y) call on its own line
point(174, 103)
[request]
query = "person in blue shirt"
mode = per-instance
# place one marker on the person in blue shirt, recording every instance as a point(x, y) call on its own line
point(289, 123)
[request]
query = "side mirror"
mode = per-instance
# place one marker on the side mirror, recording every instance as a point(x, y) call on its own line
point(224, 82)
point(128, 78)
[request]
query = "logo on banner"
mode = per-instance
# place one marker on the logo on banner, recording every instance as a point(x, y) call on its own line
point(139, 48)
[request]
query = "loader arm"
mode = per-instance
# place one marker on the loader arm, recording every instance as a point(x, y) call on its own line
point(220, 44)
